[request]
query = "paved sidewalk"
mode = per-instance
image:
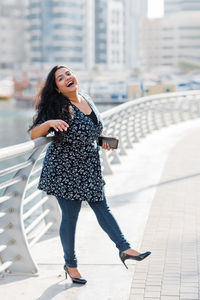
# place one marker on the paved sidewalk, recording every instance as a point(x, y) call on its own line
point(172, 231)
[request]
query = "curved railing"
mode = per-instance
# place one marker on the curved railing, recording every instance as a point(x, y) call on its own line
point(27, 213)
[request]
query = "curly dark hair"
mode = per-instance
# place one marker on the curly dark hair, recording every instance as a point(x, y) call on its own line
point(51, 104)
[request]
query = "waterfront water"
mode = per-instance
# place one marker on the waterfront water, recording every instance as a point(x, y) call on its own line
point(14, 122)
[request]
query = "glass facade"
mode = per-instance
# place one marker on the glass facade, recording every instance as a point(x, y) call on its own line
point(57, 26)
point(101, 31)
point(78, 31)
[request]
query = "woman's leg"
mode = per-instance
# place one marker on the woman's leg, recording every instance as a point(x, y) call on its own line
point(109, 224)
point(70, 211)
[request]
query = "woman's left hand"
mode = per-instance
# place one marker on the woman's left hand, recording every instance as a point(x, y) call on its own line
point(106, 146)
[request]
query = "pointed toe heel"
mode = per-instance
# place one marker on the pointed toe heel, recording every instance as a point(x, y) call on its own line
point(143, 255)
point(123, 256)
point(74, 280)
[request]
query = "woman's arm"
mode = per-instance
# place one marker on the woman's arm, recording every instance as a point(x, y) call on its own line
point(43, 129)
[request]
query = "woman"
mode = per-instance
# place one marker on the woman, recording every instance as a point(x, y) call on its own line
point(71, 170)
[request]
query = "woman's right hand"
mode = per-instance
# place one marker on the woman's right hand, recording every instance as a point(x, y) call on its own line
point(58, 125)
point(43, 129)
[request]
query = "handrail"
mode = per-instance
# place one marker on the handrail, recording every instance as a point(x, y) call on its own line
point(26, 214)
point(13, 151)
point(16, 167)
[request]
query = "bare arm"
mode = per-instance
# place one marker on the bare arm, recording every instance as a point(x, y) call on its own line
point(42, 129)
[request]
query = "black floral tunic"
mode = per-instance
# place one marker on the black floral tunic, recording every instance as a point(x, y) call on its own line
point(72, 168)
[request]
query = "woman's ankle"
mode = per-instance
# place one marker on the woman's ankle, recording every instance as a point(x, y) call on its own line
point(71, 268)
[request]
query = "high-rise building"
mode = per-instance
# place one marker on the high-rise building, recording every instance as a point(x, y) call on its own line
point(78, 33)
point(172, 6)
point(59, 33)
point(101, 32)
point(134, 13)
point(109, 34)
point(172, 41)
point(12, 36)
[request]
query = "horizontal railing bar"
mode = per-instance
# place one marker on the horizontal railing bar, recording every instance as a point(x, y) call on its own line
point(37, 221)
point(6, 197)
point(32, 183)
point(5, 265)
point(42, 232)
point(5, 227)
point(32, 196)
point(16, 167)
point(3, 247)
point(151, 98)
point(13, 151)
point(11, 182)
point(35, 207)
point(2, 214)
point(42, 155)
point(36, 170)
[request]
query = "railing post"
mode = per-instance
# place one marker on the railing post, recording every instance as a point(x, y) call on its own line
point(127, 116)
point(106, 165)
point(172, 112)
point(54, 216)
point(135, 135)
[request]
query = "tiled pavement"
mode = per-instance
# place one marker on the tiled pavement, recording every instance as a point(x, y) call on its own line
point(172, 231)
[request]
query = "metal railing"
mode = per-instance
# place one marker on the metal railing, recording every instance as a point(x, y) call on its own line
point(26, 213)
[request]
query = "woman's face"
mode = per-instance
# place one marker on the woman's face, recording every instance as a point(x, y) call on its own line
point(66, 81)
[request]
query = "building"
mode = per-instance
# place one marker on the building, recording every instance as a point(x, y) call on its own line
point(12, 37)
point(134, 12)
point(172, 42)
point(109, 34)
point(78, 33)
point(60, 32)
point(173, 6)
point(81, 34)
point(117, 24)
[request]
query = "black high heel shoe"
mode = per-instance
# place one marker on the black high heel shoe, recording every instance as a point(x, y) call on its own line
point(74, 280)
point(123, 256)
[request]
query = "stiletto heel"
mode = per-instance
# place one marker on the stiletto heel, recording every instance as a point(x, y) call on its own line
point(123, 256)
point(124, 263)
point(74, 280)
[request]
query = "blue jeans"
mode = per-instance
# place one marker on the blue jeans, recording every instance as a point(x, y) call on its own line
point(70, 211)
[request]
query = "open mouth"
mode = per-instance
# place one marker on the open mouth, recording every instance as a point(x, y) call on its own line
point(70, 83)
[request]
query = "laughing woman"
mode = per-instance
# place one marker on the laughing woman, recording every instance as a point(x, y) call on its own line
point(71, 169)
